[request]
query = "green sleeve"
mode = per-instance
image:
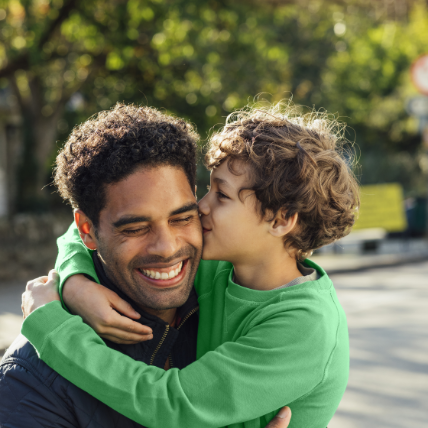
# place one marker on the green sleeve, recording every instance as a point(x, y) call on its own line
point(239, 381)
point(73, 258)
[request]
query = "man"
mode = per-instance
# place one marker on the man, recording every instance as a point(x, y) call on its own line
point(130, 176)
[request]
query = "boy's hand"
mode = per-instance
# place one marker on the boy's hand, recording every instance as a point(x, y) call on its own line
point(38, 292)
point(101, 308)
point(281, 420)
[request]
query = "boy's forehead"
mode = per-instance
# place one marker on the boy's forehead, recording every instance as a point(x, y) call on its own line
point(232, 172)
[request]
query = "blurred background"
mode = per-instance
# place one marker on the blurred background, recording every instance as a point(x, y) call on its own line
point(61, 61)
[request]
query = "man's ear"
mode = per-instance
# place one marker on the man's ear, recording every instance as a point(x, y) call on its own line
point(280, 225)
point(86, 229)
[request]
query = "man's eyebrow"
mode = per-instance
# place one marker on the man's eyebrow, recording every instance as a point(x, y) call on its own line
point(129, 219)
point(193, 206)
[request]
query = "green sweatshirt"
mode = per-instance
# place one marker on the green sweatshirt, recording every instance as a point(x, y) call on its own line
point(257, 351)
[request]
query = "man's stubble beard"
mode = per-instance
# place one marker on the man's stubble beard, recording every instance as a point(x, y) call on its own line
point(125, 278)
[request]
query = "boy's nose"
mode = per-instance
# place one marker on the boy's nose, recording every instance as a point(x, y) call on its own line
point(203, 206)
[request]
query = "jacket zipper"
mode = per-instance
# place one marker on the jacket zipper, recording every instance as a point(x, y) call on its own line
point(182, 322)
point(187, 317)
point(159, 344)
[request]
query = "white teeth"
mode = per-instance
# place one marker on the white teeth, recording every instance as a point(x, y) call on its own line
point(163, 275)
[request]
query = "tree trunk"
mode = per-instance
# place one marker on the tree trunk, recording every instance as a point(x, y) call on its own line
point(40, 134)
point(45, 133)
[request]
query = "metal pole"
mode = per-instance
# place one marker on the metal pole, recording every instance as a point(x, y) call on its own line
point(424, 132)
point(3, 171)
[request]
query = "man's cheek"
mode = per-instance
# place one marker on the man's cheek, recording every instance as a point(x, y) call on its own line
point(195, 237)
point(125, 250)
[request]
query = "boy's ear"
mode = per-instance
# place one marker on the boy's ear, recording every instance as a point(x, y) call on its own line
point(86, 229)
point(281, 226)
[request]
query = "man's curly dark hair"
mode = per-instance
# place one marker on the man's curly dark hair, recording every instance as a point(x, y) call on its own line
point(111, 145)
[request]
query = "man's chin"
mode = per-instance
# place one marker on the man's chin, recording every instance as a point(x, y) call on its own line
point(163, 299)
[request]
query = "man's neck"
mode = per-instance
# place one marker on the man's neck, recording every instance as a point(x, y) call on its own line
point(168, 315)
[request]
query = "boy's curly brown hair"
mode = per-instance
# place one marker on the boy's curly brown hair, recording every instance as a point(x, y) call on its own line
point(111, 145)
point(298, 164)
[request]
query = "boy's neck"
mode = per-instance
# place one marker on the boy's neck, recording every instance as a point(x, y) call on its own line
point(267, 274)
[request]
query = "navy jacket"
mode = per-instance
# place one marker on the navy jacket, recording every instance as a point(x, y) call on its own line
point(33, 395)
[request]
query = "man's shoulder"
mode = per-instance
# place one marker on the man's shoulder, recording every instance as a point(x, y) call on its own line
point(33, 394)
point(29, 397)
point(22, 354)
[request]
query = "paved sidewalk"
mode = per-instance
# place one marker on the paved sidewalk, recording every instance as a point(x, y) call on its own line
point(388, 318)
point(390, 253)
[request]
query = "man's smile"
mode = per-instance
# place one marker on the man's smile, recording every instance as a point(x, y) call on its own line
point(163, 273)
point(169, 276)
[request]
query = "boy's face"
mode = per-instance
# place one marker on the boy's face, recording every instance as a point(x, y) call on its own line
point(233, 229)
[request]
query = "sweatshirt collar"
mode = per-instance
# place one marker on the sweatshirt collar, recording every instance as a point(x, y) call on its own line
point(259, 296)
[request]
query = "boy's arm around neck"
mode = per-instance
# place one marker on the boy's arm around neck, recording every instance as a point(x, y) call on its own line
point(271, 365)
point(73, 258)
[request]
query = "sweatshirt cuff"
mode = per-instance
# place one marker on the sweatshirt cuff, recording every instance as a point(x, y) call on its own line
point(42, 322)
point(77, 263)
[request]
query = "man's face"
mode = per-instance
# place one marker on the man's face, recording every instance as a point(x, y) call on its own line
point(149, 237)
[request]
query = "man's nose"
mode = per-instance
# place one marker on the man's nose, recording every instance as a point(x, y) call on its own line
point(164, 242)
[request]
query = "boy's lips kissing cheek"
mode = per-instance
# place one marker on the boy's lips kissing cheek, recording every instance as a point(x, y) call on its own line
point(206, 229)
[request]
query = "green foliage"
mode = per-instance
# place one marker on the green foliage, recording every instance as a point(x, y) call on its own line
point(368, 82)
point(203, 59)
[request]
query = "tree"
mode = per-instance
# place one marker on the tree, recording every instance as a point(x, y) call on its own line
point(36, 71)
point(200, 60)
point(67, 59)
point(368, 81)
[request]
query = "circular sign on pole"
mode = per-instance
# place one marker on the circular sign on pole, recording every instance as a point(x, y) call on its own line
point(419, 72)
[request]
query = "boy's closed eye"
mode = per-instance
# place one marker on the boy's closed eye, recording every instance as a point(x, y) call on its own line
point(221, 195)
